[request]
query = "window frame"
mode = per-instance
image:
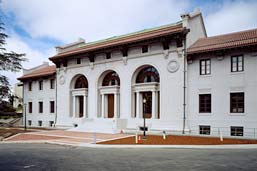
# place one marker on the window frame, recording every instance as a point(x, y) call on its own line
point(145, 48)
point(52, 106)
point(40, 107)
point(205, 104)
point(52, 83)
point(204, 128)
point(237, 102)
point(30, 86)
point(205, 66)
point(40, 84)
point(237, 63)
point(236, 132)
point(30, 107)
point(78, 61)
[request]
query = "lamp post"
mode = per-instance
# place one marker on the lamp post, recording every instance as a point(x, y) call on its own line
point(25, 117)
point(144, 102)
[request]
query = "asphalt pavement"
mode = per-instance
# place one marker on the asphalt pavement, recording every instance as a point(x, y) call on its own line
point(56, 157)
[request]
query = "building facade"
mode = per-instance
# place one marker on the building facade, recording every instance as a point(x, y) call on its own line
point(111, 85)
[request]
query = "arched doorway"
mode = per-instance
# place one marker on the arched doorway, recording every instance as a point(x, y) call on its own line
point(146, 92)
point(109, 89)
point(79, 91)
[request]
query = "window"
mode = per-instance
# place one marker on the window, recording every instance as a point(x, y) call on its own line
point(145, 49)
point(237, 131)
point(39, 123)
point(30, 107)
point(108, 55)
point(52, 83)
point(40, 104)
point(40, 85)
point(236, 102)
point(78, 60)
point(204, 103)
point(204, 129)
point(51, 123)
point(29, 122)
point(237, 63)
point(30, 86)
point(205, 67)
point(51, 106)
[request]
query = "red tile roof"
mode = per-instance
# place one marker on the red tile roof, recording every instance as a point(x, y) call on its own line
point(125, 39)
point(226, 41)
point(42, 72)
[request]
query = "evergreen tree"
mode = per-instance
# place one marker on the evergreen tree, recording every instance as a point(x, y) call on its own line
point(9, 61)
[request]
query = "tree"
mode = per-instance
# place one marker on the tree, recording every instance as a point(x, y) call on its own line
point(9, 61)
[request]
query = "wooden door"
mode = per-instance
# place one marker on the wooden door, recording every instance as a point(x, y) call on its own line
point(110, 105)
point(81, 106)
point(147, 107)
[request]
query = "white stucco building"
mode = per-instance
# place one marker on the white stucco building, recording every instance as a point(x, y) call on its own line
point(109, 85)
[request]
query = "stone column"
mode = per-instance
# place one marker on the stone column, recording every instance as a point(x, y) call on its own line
point(153, 104)
point(85, 107)
point(102, 106)
point(137, 105)
point(74, 107)
point(115, 105)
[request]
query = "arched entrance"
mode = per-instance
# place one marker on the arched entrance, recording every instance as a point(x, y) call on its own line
point(79, 91)
point(146, 92)
point(109, 90)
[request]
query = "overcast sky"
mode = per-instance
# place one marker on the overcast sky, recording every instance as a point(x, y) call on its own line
point(35, 27)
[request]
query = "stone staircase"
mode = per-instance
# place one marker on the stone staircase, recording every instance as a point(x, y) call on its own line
point(100, 125)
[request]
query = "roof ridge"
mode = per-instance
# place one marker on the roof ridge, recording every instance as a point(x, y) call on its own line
point(227, 34)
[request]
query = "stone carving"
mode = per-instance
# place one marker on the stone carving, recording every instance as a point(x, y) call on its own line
point(173, 66)
point(62, 79)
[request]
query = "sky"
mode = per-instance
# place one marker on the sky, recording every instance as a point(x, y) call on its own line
point(36, 27)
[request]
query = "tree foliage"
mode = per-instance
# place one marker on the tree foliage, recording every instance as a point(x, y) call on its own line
point(9, 61)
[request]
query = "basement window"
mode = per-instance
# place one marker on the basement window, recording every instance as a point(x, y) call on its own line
point(51, 123)
point(204, 129)
point(29, 122)
point(39, 123)
point(237, 131)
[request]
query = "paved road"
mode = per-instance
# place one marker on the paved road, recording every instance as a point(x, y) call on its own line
point(54, 157)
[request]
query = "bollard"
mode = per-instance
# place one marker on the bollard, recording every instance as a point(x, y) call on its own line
point(164, 135)
point(136, 138)
point(94, 138)
point(221, 136)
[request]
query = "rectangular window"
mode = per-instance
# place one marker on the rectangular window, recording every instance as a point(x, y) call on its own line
point(145, 49)
point(40, 107)
point(237, 131)
point(51, 123)
point(204, 103)
point(29, 122)
point(30, 86)
point(205, 129)
point(40, 83)
point(236, 102)
point(237, 63)
point(78, 60)
point(30, 107)
point(108, 55)
point(52, 83)
point(39, 123)
point(51, 106)
point(205, 66)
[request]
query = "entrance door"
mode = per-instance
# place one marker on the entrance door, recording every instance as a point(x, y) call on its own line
point(110, 105)
point(147, 106)
point(81, 106)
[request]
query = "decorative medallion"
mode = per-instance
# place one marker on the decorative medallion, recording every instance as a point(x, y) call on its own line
point(173, 66)
point(61, 79)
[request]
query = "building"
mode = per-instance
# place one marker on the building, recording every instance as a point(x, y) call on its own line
point(174, 75)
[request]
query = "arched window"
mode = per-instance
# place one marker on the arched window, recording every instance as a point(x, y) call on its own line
point(147, 75)
point(81, 82)
point(111, 79)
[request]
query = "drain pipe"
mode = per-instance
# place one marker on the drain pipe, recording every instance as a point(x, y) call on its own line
point(184, 81)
